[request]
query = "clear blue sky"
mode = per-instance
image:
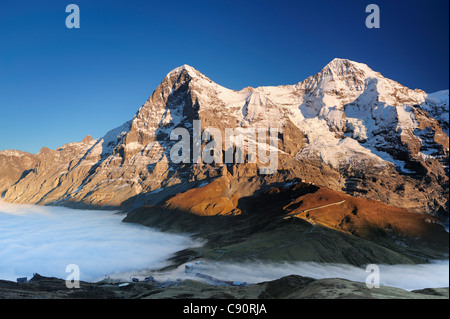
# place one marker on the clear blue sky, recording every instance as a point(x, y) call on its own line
point(58, 85)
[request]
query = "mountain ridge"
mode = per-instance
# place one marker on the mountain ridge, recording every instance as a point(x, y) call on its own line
point(347, 121)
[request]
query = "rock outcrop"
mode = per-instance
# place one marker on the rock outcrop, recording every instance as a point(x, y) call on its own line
point(346, 128)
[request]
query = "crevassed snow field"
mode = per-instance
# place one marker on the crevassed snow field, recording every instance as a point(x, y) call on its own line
point(44, 240)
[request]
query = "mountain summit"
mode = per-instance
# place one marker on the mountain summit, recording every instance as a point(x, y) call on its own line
point(346, 128)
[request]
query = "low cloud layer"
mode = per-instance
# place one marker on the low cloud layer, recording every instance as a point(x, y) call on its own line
point(44, 240)
point(409, 277)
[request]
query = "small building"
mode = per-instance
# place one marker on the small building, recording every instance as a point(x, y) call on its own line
point(149, 279)
point(239, 283)
point(188, 267)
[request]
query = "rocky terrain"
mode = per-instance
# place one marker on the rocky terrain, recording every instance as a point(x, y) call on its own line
point(361, 174)
point(300, 222)
point(347, 128)
point(290, 287)
point(14, 165)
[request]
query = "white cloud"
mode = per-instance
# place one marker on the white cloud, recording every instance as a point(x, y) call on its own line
point(407, 277)
point(44, 240)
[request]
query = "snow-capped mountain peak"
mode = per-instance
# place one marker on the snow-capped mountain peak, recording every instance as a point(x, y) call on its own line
point(346, 117)
point(342, 67)
point(183, 69)
point(187, 73)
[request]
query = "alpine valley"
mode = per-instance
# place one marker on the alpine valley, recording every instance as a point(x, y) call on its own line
point(362, 170)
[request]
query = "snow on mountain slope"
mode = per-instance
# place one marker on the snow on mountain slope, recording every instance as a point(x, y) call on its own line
point(345, 100)
point(346, 116)
point(436, 104)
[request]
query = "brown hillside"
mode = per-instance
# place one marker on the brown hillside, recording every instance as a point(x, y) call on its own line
point(368, 219)
point(362, 217)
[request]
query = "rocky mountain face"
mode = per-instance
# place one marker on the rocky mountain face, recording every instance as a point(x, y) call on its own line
point(347, 129)
point(14, 165)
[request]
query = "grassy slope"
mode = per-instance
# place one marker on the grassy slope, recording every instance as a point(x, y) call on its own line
point(356, 232)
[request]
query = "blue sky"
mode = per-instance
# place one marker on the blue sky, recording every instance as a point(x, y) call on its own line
point(58, 85)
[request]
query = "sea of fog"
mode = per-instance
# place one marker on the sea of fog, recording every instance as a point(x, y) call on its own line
point(408, 277)
point(44, 240)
